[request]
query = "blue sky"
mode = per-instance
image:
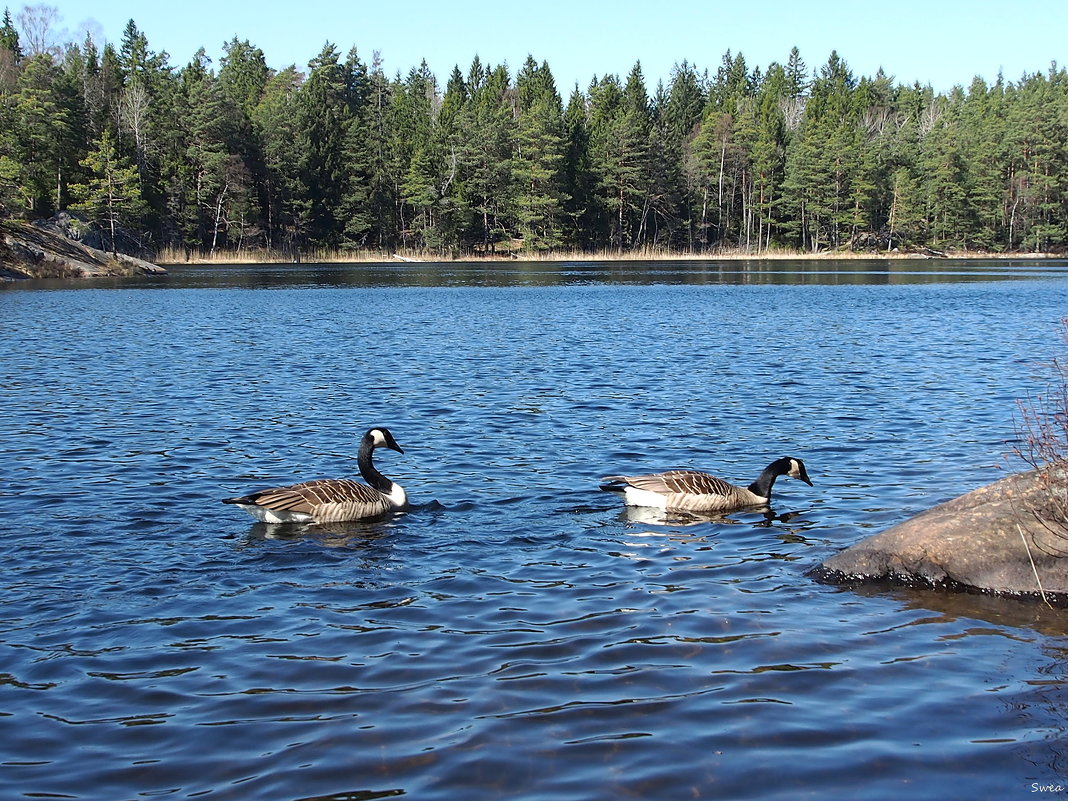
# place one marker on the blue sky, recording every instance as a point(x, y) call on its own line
point(941, 42)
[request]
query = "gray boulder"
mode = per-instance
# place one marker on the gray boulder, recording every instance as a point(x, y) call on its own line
point(41, 251)
point(1009, 537)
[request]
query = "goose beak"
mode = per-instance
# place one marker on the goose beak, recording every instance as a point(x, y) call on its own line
point(389, 441)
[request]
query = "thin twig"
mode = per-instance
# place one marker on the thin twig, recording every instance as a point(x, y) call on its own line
point(1034, 569)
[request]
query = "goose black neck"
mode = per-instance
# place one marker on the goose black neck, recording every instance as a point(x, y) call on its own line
point(762, 486)
point(368, 470)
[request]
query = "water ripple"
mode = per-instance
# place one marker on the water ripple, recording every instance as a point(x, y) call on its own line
point(516, 633)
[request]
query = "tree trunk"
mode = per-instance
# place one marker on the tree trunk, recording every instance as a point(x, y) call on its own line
point(112, 214)
point(218, 217)
point(704, 219)
point(893, 219)
point(722, 164)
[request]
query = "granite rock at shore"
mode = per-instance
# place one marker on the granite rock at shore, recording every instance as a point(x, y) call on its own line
point(43, 251)
point(1009, 537)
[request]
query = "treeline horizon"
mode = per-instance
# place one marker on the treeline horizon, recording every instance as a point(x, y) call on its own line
point(342, 156)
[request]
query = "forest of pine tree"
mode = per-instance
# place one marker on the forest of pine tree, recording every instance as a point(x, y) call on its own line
point(342, 156)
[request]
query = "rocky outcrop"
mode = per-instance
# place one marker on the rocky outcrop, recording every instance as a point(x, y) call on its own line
point(39, 251)
point(1009, 537)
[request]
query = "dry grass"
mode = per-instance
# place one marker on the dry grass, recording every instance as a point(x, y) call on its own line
point(173, 255)
point(332, 256)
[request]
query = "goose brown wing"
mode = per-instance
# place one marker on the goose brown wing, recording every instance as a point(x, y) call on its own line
point(683, 482)
point(307, 496)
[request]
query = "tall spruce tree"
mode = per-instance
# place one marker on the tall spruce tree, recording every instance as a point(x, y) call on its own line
point(677, 125)
point(537, 163)
point(413, 153)
point(242, 80)
point(619, 145)
point(377, 140)
point(324, 116)
point(487, 159)
point(819, 187)
point(275, 121)
point(578, 179)
point(355, 210)
point(10, 54)
point(769, 152)
point(983, 127)
point(143, 96)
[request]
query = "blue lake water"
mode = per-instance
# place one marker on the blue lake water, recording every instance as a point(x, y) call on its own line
point(516, 634)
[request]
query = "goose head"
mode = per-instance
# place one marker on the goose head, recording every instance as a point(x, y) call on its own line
point(381, 438)
point(794, 468)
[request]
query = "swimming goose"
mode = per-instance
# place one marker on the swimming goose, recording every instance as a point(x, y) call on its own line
point(332, 500)
point(694, 491)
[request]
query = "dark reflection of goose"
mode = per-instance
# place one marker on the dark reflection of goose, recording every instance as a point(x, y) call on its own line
point(341, 533)
point(648, 515)
point(330, 500)
point(695, 491)
point(348, 532)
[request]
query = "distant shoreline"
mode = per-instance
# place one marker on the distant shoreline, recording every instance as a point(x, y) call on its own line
point(42, 251)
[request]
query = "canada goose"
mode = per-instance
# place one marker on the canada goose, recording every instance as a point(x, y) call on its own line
point(694, 491)
point(332, 500)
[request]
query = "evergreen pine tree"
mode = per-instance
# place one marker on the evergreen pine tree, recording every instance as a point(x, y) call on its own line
point(944, 170)
point(111, 197)
point(43, 132)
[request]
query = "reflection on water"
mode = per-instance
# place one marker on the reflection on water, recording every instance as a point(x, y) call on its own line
point(518, 633)
point(675, 517)
point(546, 273)
point(876, 271)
